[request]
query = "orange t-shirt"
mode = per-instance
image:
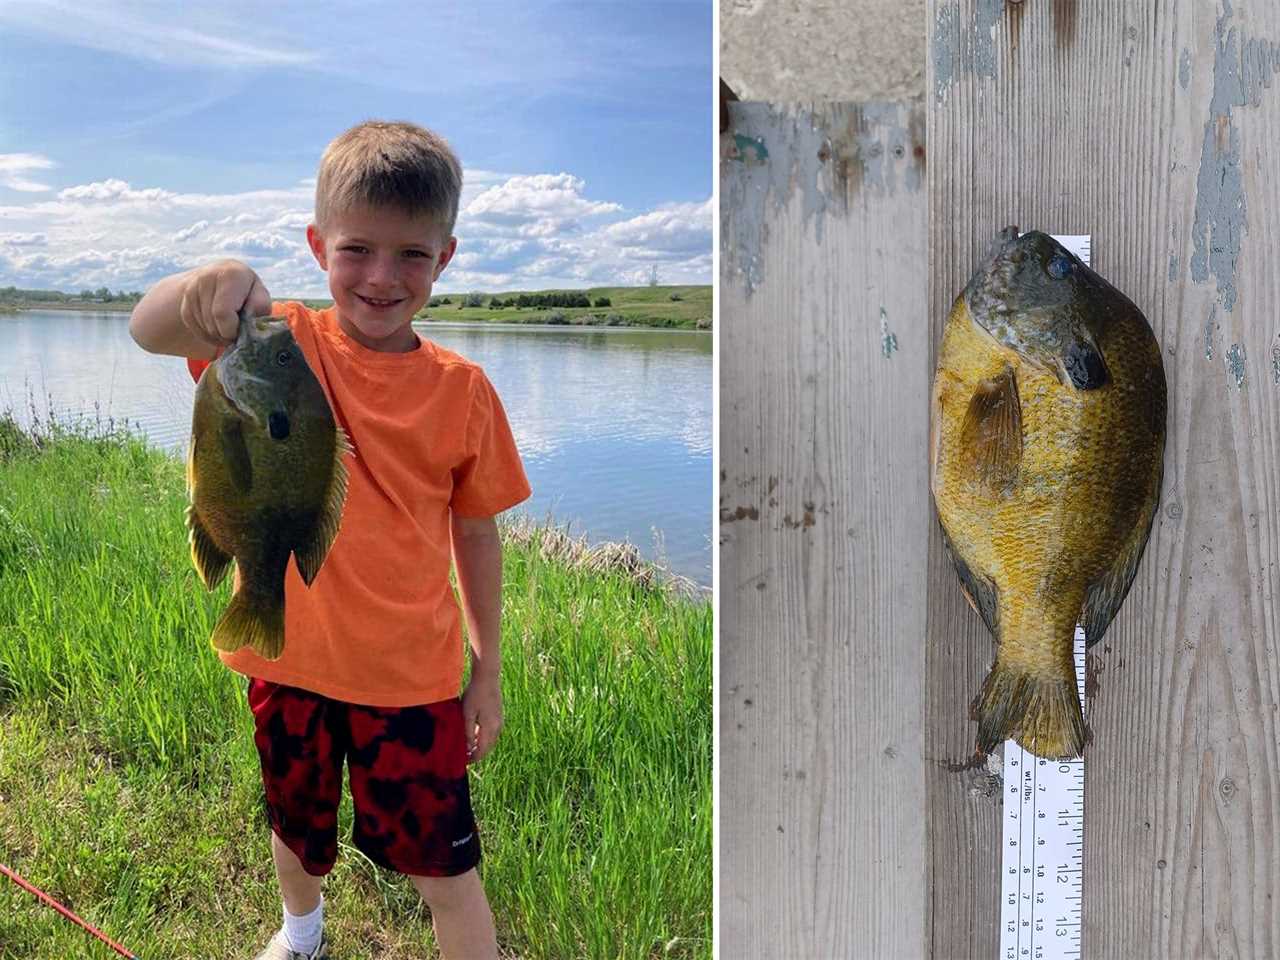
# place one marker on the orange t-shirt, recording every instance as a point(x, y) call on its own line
point(379, 625)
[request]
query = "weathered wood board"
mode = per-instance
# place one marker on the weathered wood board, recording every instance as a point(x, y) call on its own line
point(824, 510)
point(1155, 127)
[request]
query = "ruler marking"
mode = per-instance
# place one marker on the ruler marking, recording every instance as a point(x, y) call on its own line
point(1045, 812)
point(1044, 809)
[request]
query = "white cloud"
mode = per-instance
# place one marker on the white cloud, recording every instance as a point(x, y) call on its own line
point(676, 228)
point(188, 232)
point(538, 205)
point(262, 243)
point(13, 169)
point(113, 190)
point(516, 232)
point(23, 239)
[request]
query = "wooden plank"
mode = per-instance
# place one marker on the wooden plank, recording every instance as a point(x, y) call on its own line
point(1155, 128)
point(823, 507)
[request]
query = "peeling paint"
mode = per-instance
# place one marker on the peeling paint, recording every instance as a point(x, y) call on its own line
point(825, 157)
point(964, 47)
point(1241, 71)
point(1275, 364)
point(986, 16)
point(1235, 363)
point(750, 149)
point(1259, 62)
point(1184, 68)
point(946, 48)
point(1209, 327)
point(888, 340)
point(1173, 267)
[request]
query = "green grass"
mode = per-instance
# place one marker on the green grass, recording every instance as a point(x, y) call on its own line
point(629, 306)
point(130, 790)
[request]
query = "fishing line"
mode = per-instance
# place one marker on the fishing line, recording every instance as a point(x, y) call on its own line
point(67, 913)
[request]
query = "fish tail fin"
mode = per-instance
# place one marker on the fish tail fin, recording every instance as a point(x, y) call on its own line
point(1041, 713)
point(251, 622)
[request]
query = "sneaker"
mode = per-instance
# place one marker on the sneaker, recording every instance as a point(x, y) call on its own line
point(278, 949)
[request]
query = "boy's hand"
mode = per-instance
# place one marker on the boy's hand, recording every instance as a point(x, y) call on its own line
point(481, 714)
point(213, 296)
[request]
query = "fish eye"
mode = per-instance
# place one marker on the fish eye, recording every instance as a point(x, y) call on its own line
point(284, 358)
point(1059, 267)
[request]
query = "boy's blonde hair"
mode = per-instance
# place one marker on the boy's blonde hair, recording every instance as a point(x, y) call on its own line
point(389, 164)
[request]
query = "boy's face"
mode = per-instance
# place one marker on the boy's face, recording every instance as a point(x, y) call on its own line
point(381, 264)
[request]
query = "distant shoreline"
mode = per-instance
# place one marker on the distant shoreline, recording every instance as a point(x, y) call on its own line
point(69, 307)
point(581, 319)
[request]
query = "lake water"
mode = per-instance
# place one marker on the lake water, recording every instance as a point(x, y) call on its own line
point(613, 425)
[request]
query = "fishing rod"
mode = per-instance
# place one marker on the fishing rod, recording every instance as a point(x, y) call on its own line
point(66, 913)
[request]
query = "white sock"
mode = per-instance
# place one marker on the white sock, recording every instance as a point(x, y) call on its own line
point(303, 933)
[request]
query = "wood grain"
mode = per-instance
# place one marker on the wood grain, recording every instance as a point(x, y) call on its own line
point(824, 507)
point(1155, 127)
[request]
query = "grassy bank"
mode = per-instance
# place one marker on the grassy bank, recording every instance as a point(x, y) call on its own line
point(130, 789)
point(687, 307)
point(628, 307)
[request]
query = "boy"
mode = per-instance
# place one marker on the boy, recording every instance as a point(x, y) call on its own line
point(373, 653)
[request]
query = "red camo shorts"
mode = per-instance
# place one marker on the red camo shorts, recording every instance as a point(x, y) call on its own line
point(407, 768)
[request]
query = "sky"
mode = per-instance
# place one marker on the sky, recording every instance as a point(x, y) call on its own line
point(139, 139)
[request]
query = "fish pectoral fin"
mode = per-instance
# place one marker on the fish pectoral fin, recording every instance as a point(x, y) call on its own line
point(210, 560)
point(992, 430)
point(236, 455)
point(310, 553)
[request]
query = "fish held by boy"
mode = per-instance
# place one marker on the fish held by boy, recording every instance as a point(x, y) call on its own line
point(1046, 455)
point(265, 479)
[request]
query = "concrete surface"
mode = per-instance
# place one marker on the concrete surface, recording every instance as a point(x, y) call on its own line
point(812, 50)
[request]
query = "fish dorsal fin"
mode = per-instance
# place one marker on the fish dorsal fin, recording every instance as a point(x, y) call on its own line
point(992, 430)
point(209, 559)
point(311, 552)
point(236, 455)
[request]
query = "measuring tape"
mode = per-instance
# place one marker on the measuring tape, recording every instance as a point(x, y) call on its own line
point(1042, 848)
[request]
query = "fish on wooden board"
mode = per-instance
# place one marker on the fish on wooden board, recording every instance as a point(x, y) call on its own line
point(1046, 455)
point(265, 479)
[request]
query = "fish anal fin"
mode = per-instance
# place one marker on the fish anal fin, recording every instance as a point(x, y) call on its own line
point(1041, 713)
point(236, 455)
point(979, 591)
point(311, 551)
point(992, 430)
point(211, 562)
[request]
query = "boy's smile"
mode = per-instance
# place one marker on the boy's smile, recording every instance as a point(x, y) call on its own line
point(381, 264)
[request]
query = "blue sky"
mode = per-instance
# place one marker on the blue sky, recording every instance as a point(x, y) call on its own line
point(141, 138)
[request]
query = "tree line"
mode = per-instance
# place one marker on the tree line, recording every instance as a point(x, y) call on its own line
point(102, 294)
point(524, 301)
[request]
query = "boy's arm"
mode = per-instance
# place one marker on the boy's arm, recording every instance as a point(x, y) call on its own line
point(194, 313)
point(477, 556)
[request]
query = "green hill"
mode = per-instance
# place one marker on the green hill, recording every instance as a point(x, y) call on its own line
point(664, 306)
